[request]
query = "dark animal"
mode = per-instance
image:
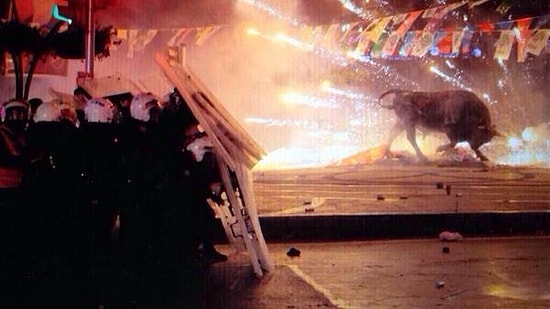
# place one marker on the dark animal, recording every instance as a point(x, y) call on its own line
point(460, 114)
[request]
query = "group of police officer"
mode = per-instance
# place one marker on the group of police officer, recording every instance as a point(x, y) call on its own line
point(67, 183)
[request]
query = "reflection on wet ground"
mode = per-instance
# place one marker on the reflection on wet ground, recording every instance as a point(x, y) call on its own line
point(396, 187)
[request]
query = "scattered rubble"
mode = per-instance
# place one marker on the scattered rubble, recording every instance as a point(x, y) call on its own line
point(450, 236)
point(293, 252)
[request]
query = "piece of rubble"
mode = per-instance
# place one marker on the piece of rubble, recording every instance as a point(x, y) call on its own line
point(293, 252)
point(450, 236)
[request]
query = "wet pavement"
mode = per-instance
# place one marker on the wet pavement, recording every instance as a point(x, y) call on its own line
point(394, 199)
point(383, 253)
point(394, 187)
point(507, 272)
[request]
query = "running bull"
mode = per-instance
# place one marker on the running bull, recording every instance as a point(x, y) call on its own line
point(460, 114)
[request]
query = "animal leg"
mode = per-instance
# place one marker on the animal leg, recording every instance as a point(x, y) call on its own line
point(395, 131)
point(481, 156)
point(411, 136)
point(451, 135)
point(474, 144)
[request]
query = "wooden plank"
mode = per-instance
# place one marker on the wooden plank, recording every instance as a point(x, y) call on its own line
point(223, 111)
point(232, 155)
point(242, 138)
point(239, 141)
point(245, 185)
point(228, 139)
point(196, 110)
point(237, 207)
point(236, 154)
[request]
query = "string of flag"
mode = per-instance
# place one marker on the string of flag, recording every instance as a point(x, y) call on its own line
point(391, 36)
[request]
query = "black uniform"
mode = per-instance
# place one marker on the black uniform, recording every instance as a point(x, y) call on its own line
point(50, 187)
point(99, 171)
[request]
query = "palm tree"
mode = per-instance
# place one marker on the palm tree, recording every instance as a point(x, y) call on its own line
point(28, 44)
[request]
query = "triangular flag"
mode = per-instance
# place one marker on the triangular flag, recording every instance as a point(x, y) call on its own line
point(363, 44)
point(179, 36)
point(408, 43)
point(138, 39)
point(406, 25)
point(204, 33)
point(443, 42)
point(466, 42)
point(377, 31)
point(390, 45)
point(522, 36)
point(423, 44)
point(457, 41)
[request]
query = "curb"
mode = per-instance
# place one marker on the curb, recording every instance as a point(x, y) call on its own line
point(401, 226)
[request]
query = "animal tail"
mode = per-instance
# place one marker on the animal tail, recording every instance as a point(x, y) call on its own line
point(395, 91)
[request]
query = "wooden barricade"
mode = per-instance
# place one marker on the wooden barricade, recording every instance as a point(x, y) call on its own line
point(237, 153)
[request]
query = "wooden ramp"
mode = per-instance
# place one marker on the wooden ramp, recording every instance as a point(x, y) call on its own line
point(237, 153)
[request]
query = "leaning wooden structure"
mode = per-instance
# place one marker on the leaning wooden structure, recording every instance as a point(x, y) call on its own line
point(237, 154)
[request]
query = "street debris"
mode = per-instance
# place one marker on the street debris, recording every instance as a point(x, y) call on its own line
point(293, 252)
point(311, 203)
point(450, 236)
point(380, 197)
point(455, 293)
point(440, 284)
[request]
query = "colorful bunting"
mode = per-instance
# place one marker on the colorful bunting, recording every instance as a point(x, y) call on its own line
point(376, 51)
point(391, 44)
point(522, 36)
point(391, 35)
point(457, 41)
point(443, 43)
point(537, 41)
point(504, 45)
point(466, 42)
point(375, 34)
point(204, 33)
point(422, 45)
point(363, 44)
point(179, 36)
point(352, 31)
point(408, 43)
point(406, 25)
point(138, 39)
